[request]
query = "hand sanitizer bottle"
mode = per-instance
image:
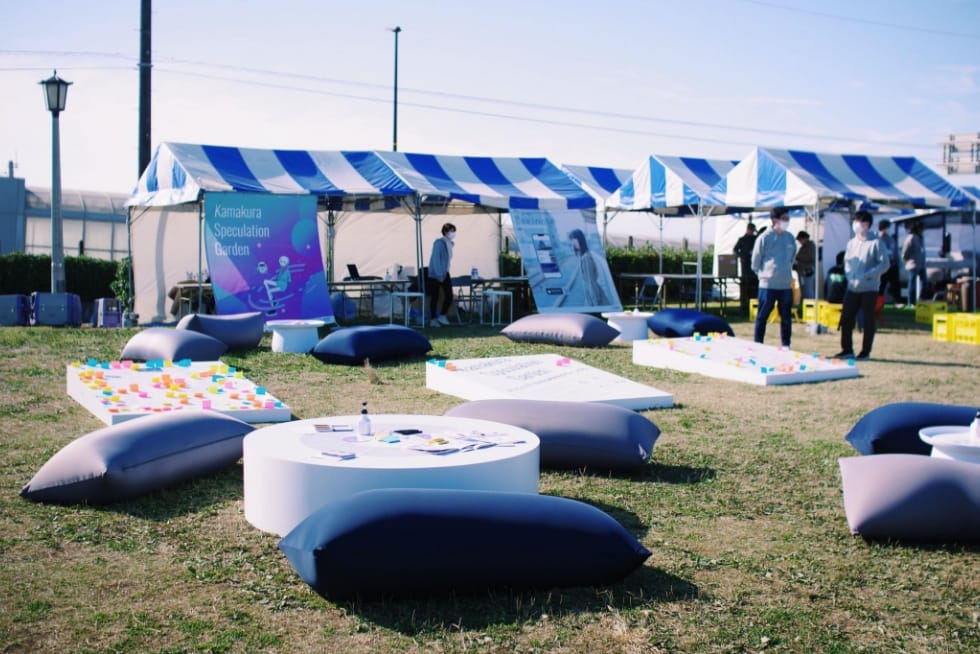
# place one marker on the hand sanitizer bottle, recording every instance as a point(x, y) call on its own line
point(364, 424)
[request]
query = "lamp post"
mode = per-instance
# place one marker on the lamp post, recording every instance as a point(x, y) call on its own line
point(55, 94)
point(394, 132)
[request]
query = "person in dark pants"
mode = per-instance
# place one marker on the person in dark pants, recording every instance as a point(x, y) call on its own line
point(748, 280)
point(438, 277)
point(864, 263)
point(890, 280)
point(772, 261)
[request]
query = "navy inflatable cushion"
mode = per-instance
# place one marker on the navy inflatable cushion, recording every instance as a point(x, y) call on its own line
point(421, 541)
point(575, 329)
point(894, 428)
point(239, 331)
point(138, 456)
point(910, 497)
point(574, 434)
point(352, 345)
point(677, 323)
point(155, 343)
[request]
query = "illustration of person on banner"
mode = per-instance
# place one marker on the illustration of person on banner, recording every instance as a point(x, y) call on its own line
point(279, 283)
point(586, 273)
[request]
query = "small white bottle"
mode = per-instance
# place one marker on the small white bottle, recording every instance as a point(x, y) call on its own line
point(975, 427)
point(364, 423)
point(388, 275)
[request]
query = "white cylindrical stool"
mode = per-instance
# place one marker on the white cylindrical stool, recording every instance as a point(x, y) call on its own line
point(296, 336)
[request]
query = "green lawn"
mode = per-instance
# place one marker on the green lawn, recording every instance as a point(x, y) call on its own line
point(740, 505)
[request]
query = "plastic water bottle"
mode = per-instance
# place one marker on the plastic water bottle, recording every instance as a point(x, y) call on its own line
point(364, 423)
point(474, 273)
point(975, 427)
point(387, 275)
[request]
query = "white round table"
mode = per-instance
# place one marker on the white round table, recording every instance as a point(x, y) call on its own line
point(296, 336)
point(632, 325)
point(952, 442)
point(294, 468)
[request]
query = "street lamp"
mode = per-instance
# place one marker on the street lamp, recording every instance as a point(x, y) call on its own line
point(394, 132)
point(55, 94)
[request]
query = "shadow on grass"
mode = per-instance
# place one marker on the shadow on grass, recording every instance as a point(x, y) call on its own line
point(929, 364)
point(654, 472)
point(480, 609)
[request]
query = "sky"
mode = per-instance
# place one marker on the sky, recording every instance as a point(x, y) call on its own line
point(578, 81)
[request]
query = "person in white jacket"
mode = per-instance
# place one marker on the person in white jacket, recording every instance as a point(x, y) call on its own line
point(865, 261)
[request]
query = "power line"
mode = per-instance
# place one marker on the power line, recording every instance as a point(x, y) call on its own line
point(865, 21)
point(480, 99)
point(558, 123)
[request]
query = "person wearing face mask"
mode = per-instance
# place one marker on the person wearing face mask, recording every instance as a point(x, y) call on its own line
point(438, 279)
point(772, 261)
point(864, 263)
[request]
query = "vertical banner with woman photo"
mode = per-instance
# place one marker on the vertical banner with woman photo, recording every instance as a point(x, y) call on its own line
point(263, 254)
point(564, 261)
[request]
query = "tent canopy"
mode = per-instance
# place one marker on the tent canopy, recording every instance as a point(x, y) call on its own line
point(667, 184)
point(791, 178)
point(180, 172)
point(600, 182)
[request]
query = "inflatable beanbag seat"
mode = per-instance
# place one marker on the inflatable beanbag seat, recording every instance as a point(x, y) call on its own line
point(575, 329)
point(172, 345)
point(239, 331)
point(894, 428)
point(135, 457)
point(352, 345)
point(574, 434)
point(404, 541)
point(910, 497)
point(677, 323)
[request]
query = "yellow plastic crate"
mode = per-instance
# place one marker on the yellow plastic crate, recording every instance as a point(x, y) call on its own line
point(810, 311)
point(966, 328)
point(754, 311)
point(828, 314)
point(924, 311)
point(942, 326)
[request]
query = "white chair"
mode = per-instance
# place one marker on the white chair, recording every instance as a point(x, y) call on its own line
point(495, 297)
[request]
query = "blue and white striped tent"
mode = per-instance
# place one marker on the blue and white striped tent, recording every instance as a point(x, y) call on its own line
point(666, 184)
point(776, 178)
point(599, 181)
point(165, 206)
point(500, 182)
point(181, 173)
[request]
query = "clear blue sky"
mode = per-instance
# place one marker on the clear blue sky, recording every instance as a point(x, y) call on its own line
point(579, 81)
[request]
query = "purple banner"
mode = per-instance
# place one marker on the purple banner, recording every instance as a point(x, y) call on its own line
point(263, 254)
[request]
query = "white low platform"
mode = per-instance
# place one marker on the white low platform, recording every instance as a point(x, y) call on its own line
point(541, 377)
point(740, 360)
point(116, 391)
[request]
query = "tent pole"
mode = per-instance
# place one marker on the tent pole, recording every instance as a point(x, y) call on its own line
point(331, 225)
point(200, 254)
point(697, 286)
point(418, 252)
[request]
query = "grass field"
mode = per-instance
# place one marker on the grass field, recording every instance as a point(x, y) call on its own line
point(741, 507)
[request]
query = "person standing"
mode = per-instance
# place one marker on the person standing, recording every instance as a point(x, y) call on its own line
point(889, 281)
point(914, 256)
point(864, 263)
point(805, 265)
point(748, 280)
point(835, 286)
point(772, 261)
point(438, 279)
